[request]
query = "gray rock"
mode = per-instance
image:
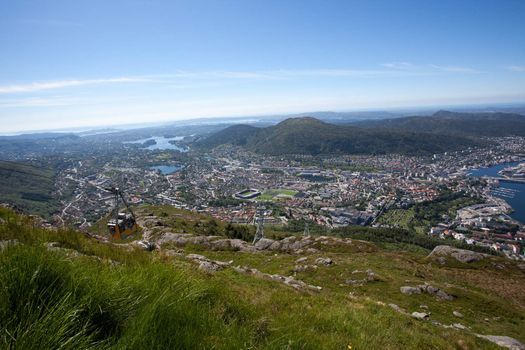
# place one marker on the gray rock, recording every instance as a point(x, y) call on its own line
point(288, 280)
point(441, 294)
point(275, 246)
point(459, 326)
point(461, 255)
point(355, 282)
point(431, 290)
point(504, 341)
point(410, 290)
point(197, 257)
point(264, 243)
point(289, 239)
point(301, 260)
point(238, 244)
point(145, 245)
point(457, 313)
point(420, 315)
point(209, 266)
point(173, 252)
point(324, 261)
point(312, 250)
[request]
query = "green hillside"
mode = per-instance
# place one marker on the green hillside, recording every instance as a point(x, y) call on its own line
point(311, 136)
point(459, 124)
point(62, 289)
point(27, 187)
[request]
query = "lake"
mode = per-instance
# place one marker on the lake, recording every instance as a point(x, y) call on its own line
point(167, 169)
point(162, 143)
point(513, 193)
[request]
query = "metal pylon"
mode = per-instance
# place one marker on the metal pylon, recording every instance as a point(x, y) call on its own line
point(259, 221)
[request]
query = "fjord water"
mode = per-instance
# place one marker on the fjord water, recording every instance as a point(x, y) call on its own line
point(167, 169)
point(517, 201)
point(162, 143)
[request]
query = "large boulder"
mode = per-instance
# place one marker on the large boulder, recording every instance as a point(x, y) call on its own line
point(410, 290)
point(264, 243)
point(461, 255)
point(428, 289)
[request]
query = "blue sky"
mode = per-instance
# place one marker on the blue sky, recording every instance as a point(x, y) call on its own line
point(83, 63)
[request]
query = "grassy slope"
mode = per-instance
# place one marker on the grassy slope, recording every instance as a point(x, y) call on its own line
point(27, 187)
point(125, 299)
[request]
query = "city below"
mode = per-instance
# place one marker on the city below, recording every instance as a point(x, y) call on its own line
point(474, 196)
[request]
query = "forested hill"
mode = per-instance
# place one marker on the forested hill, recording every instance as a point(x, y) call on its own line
point(311, 136)
point(459, 124)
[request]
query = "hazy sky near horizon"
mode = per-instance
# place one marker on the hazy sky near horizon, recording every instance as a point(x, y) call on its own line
point(77, 63)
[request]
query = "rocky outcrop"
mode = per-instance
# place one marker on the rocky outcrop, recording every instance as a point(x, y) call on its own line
point(428, 289)
point(265, 243)
point(461, 255)
point(410, 290)
point(208, 265)
point(366, 277)
point(324, 261)
point(292, 244)
point(287, 280)
point(504, 341)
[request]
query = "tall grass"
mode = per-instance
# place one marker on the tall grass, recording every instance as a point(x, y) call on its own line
point(49, 302)
point(107, 298)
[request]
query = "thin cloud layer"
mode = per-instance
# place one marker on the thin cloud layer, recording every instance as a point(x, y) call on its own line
point(390, 69)
point(59, 84)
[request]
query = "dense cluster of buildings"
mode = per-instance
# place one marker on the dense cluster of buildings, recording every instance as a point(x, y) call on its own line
point(229, 183)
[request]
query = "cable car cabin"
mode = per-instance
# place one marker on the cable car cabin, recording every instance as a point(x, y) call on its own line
point(122, 227)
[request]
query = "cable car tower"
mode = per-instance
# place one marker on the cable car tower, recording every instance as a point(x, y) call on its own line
point(122, 224)
point(259, 222)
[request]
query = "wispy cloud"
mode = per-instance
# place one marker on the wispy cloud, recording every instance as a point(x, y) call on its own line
point(181, 78)
point(59, 84)
point(399, 65)
point(516, 68)
point(273, 74)
point(427, 68)
point(454, 69)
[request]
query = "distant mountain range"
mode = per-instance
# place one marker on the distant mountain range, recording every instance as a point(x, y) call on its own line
point(453, 123)
point(308, 135)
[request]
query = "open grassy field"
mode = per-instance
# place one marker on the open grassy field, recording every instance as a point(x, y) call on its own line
point(80, 293)
point(273, 194)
